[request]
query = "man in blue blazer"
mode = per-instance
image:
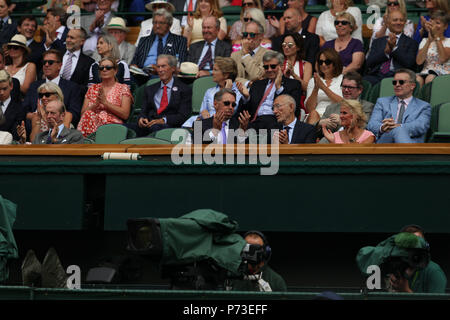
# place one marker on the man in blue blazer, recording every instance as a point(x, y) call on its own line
point(391, 52)
point(52, 62)
point(160, 41)
point(401, 118)
point(168, 103)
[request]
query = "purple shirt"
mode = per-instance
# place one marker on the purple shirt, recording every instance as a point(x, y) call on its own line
point(346, 55)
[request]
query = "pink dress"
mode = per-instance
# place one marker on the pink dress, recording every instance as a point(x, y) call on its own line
point(94, 118)
point(366, 134)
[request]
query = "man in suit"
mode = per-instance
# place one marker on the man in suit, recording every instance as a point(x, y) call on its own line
point(203, 52)
point(168, 103)
point(291, 130)
point(58, 132)
point(75, 64)
point(391, 52)
point(55, 30)
point(259, 100)
point(8, 27)
point(249, 59)
point(223, 127)
point(52, 61)
point(161, 41)
point(27, 27)
point(11, 111)
point(94, 24)
point(293, 24)
point(117, 27)
point(401, 118)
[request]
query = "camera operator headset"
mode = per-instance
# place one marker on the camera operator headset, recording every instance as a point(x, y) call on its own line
point(258, 276)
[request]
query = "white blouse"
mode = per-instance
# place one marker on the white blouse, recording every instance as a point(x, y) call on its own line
point(325, 24)
point(322, 99)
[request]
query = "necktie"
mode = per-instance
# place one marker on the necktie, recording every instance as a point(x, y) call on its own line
point(1, 24)
point(164, 101)
point(191, 6)
point(401, 112)
point(1, 112)
point(224, 133)
point(287, 128)
point(252, 53)
point(262, 100)
point(49, 137)
point(206, 59)
point(160, 46)
point(68, 67)
point(385, 67)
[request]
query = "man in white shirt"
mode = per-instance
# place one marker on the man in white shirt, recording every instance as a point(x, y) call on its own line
point(118, 29)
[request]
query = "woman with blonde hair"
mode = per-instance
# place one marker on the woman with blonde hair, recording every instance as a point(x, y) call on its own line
point(380, 28)
point(353, 121)
point(205, 8)
point(325, 25)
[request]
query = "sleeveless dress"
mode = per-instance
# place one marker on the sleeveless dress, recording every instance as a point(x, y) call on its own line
point(20, 75)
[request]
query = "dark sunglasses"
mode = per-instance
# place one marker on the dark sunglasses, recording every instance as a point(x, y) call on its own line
point(50, 62)
point(391, 4)
point(401, 82)
point(227, 103)
point(248, 4)
point(248, 19)
point(343, 22)
point(251, 34)
point(101, 68)
point(13, 47)
point(272, 66)
point(348, 87)
point(45, 94)
point(327, 62)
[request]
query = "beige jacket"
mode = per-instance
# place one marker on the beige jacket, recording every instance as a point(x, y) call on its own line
point(249, 68)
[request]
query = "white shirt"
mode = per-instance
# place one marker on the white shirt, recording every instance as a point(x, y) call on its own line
point(322, 99)
point(75, 57)
point(291, 130)
point(55, 81)
point(220, 138)
point(6, 104)
point(325, 24)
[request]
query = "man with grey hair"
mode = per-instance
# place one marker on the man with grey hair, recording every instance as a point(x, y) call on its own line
point(249, 59)
point(167, 103)
point(11, 111)
point(204, 52)
point(401, 118)
point(57, 133)
point(160, 41)
point(259, 100)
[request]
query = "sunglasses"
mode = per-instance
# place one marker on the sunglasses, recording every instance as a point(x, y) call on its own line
point(349, 88)
point(227, 103)
point(50, 62)
point(251, 34)
point(287, 44)
point(343, 22)
point(272, 66)
point(391, 4)
point(248, 19)
point(13, 47)
point(248, 4)
point(45, 94)
point(401, 82)
point(101, 68)
point(327, 62)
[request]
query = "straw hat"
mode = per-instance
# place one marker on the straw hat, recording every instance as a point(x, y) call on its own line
point(117, 23)
point(170, 7)
point(19, 41)
point(188, 69)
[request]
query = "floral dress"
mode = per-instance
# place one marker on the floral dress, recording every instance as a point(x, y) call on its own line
point(94, 118)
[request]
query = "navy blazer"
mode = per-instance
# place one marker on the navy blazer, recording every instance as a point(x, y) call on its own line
point(403, 57)
point(291, 87)
point(303, 133)
point(8, 31)
point(222, 49)
point(12, 117)
point(81, 73)
point(72, 98)
point(179, 108)
point(175, 46)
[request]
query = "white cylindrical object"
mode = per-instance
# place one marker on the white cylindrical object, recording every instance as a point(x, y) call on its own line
point(120, 156)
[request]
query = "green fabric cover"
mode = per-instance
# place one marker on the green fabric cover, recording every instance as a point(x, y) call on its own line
point(204, 234)
point(8, 246)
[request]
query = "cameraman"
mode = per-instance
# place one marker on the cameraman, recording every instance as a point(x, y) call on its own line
point(429, 280)
point(260, 277)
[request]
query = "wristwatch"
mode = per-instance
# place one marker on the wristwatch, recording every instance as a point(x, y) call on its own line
point(438, 39)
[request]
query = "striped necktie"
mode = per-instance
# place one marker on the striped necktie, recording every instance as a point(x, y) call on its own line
point(68, 67)
point(401, 111)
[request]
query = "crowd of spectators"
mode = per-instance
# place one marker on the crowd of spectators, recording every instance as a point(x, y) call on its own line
point(259, 58)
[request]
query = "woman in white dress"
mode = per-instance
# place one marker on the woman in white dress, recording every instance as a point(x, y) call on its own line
point(325, 25)
point(16, 62)
point(325, 86)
